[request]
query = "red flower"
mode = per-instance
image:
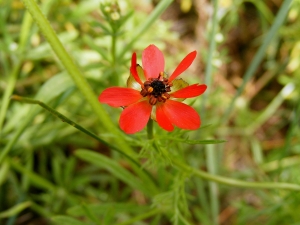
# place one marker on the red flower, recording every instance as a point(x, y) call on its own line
point(151, 94)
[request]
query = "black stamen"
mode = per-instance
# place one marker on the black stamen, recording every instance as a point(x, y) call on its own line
point(158, 88)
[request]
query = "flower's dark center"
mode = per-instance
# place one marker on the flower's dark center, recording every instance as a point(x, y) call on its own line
point(156, 89)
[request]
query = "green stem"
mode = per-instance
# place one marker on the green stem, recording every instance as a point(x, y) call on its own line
point(75, 73)
point(225, 180)
point(141, 217)
point(234, 182)
point(8, 91)
point(113, 48)
point(212, 162)
point(24, 35)
point(150, 129)
point(212, 47)
point(271, 109)
point(115, 79)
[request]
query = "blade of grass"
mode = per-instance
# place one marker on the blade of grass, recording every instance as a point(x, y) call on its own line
point(211, 159)
point(263, 9)
point(66, 220)
point(90, 214)
point(209, 64)
point(282, 163)
point(36, 179)
point(4, 170)
point(24, 35)
point(259, 54)
point(140, 217)
point(104, 207)
point(115, 169)
point(41, 182)
point(15, 210)
point(8, 91)
point(271, 108)
point(257, 152)
point(212, 162)
point(159, 9)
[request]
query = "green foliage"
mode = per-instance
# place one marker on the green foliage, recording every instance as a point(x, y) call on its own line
point(63, 159)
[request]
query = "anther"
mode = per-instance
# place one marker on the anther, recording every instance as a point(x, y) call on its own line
point(156, 89)
point(160, 99)
point(147, 83)
point(152, 100)
point(150, 89)
point(144, 92)
point(165, 96)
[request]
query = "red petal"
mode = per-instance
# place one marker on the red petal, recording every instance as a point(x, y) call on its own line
point(162, 120)
point(181, 115)
point(135, 117)
point(133, 69)
point(153, 61)
point(183, 65)
point(190, 91)
point(119, 96)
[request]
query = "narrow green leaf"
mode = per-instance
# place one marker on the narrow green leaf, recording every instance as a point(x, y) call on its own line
point(159, 9)
point(211, 51)
point(59, 83)
point(66, 220)
point(44, 49)
point(90, 42)
point(15, 210)
point(33, 177)
point(114, 168)
point(141, 217)
point(196, 142)
point(104, 207)
point(106, 29)
point(280, 18)
point(4, 169)
point(90, 214)
point(126, 17)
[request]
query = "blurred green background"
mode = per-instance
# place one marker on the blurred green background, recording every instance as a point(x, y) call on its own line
point(248, 56)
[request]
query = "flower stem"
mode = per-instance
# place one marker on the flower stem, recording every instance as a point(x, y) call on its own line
point(114, 79)
point(223, 180)
point(234, 182)
point(150, 129)
point(113, 48)
point(209, 63)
